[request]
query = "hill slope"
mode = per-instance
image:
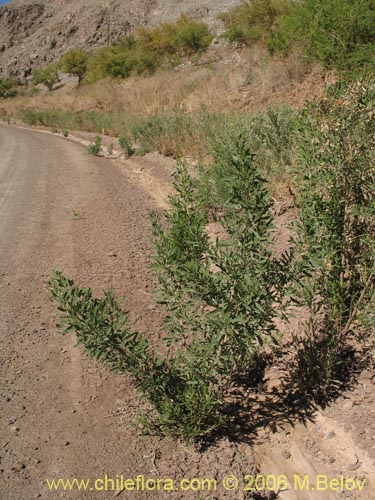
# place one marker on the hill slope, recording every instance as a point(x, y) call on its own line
point(36, 32)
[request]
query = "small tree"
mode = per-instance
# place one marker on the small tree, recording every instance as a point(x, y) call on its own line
point(75, 62)
point(48, 76)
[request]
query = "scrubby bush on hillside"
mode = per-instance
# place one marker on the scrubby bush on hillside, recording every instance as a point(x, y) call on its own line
point(7, 88)
point(338, 33)
point(48, 76)
point(252, 20)
point(150, 49)
point(184, 37)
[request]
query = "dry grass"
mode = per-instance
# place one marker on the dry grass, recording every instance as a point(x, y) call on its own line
point(241, 80)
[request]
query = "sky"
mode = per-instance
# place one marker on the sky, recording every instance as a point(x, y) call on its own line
point(2, 2)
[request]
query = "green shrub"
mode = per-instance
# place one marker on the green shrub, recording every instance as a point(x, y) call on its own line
point(75, 62)
point(191, 36)
point(185, 37)
point(220, 301)
point(118, 65)
point(95, 147)
point(7, 88)
point(336, 225)
point(91, 121)
point(338, 33)
point(150, 49)
point(121, 63)
point(145, 63)
point(185, 406)
point(252, 20)
point(126, 145)
point(48, 76)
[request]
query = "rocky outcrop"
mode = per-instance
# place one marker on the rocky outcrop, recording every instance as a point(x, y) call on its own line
point(34, 33)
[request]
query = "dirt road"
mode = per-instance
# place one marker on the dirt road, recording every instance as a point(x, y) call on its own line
point(62, 415)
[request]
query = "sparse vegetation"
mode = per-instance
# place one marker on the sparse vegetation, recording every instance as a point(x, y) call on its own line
point(7, 88)
point(95, 147)
point(110, 148)
point(126, 145)
point(147, 50)
point(253, 21)
point(48, 76)
point(339, 34)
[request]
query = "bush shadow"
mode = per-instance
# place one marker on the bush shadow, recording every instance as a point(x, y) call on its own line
point(300, 392)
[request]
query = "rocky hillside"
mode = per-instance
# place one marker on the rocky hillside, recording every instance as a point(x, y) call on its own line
point(36, 32)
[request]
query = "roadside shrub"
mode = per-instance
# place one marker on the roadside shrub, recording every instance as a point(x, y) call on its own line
point(177, 133)
point(336, 226)
point(184, 406)
point(160, 132)
point(91, 121)
point(126, 145)
point(272, 136)
point(220, 301)
point(95, 147)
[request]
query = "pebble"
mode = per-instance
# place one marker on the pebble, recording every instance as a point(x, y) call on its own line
point(330, 435)
point(354, 466)
point(347, 405)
